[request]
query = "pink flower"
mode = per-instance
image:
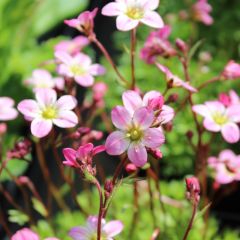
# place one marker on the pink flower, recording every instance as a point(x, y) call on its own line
point(157, 44)
point(226, 167)
point(218, 118)
point(201, 12)
point(25, 234)
point(84, 23)
point(89, 232)
point(72, 46)
point(43, 79)
point(231, 70)
point(79, 67)
point(193, 189)
point(7, 112)
point(132, 12)
point(135, 132)
point(46, 110)
point(229, 99)
point(174, 80)
point(83, 155)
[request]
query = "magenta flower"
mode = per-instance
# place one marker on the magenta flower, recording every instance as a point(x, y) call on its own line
point(84, 154)
point(157, 44)
point(46, 110)
point(229, 99)
point(132, 12)
point(79, 67)
point(89, 232)
point(175, 80)
point(226, 167)
point(43, 79)
point(218, 118)
point(231, 70)
point(72, 46)
point(84, 23)
point(7, 112)
point(201, 12)
point(135, 130)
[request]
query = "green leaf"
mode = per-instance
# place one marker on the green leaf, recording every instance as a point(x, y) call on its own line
point(18, 217)
point(39, 207)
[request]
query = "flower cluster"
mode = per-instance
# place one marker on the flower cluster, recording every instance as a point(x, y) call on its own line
point(139, 122)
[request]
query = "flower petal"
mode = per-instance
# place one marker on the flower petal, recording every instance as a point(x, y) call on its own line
point(227, 154)
point(97, 69)
point(29, 108)
point(63, 57)
point(152, 19)
point(151, 4)
point(70, 156)
point(66, 102)
point(150, 95)
point(46, 97)
point(113, 228)
point(132, 101)
point(233, 112)
point(8, 114)
point(231, 132)
point(153, 138)
point(202, 110)
point(166, 115)
point(143, 117)
point(116, 143)
point(84, 151)
point(111, 9)
point(121, 118)
point(40, 127)
point(137, 154)
point(125, 23)
point(210, 125)
point(6, 102)
point(78, 233)
point(66, 119)
point(85, 81)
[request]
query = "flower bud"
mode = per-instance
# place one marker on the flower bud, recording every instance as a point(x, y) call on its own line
point(156, 153)
point(193, 189)
point(189, 134)
point(173, 98)
point(131, 168)
point(181, 45)
point(224, 99)
point(156, 103)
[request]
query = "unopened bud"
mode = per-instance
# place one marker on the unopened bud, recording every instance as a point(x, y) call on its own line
point(181, 45)
point(131, 168)
point(224, 99)
point(193, 189)
point(189, 134)
point(173, 98)
point(156, 103)
point(156, 153)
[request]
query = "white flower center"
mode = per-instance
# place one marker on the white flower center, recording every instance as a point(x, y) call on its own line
point(220, 118)
point(49, 112)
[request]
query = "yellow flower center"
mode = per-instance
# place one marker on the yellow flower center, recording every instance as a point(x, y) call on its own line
point(220, 118)
point(135, 134)
point(135, 13)
point(49, 112)
point(77, 70)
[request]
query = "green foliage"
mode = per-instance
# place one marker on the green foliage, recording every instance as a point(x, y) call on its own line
point(18, 217)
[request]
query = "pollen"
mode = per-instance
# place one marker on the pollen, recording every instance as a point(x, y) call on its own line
point(77, 70)
point(49, 113)
point(220, 118)
point(135, 13)
point(134, 134)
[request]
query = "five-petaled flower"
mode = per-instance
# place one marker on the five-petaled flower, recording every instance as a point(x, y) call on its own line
point(174, 80)
point(43, 79)
point(132, 12)
point(89, 232)
point(46, 110)
point(79, 67)
point(7, 112)
point(226, 167)
point(136, 131)
point(218, 118)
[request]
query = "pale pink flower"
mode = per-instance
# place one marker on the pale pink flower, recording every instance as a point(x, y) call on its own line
point(175, 80)
point(25, 234)
point(218, 118)
point(84, 23)
point(79, 67)
point(201, 12)
point(46, 110)
point(157, 44)
point(152, 99)
point(84, 154)
point(231, 70)
point(226, 167)
point(43, 79)
point(132, 12)
point(135, 133)
point(89, 231)
point(72, 46)
point(7, 111)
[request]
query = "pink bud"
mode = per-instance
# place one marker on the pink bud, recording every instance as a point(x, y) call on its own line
point(231, 70)
point(23, 179)
point(193, 189)
point(224, 99)
point(156, 153)
point(173, 98)
point(99, 91)
point(181, 45)
point(156, 103)
point(131, 168)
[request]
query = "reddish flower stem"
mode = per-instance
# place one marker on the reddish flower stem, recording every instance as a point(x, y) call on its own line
point(108, 57)
point(190, 224)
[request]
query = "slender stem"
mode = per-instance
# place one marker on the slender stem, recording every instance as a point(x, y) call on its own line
point(108, 57)
point(4, 224)
point(205, 84)
point(133, 46)
point(100, 213)
point(151, 201)
point(190, 224)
